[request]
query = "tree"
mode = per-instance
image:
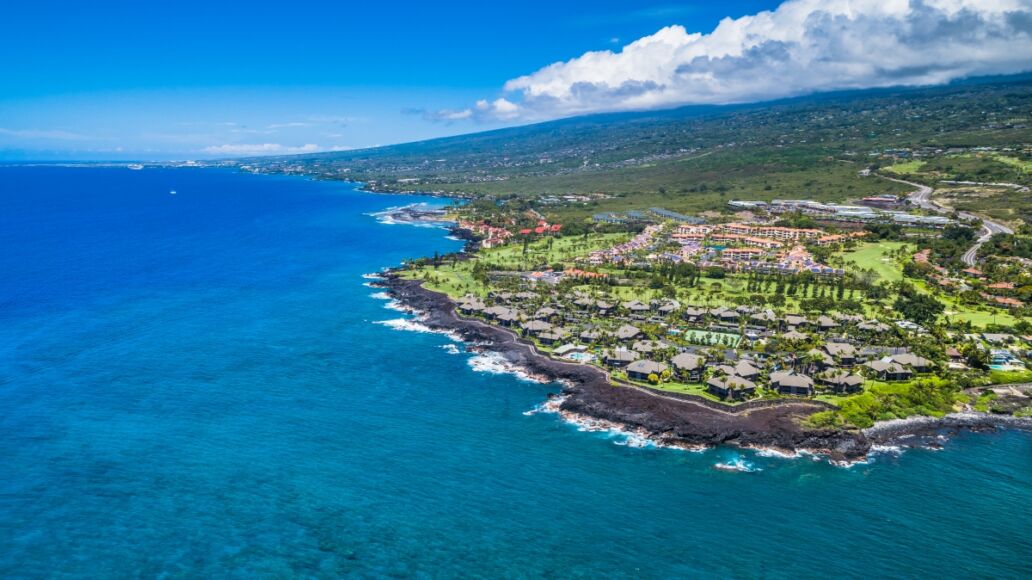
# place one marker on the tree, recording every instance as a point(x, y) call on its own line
point(920, 308)
point(654, 378)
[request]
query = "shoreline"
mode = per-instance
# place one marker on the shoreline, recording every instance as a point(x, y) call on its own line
point(591, 402)
point(589, 399)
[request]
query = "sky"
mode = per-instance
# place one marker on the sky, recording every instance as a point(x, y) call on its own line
point(188, 80)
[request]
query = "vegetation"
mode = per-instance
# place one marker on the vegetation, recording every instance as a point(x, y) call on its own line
point(696, 158)
point(885, 401)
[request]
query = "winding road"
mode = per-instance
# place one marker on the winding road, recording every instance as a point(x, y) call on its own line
point(922, 198)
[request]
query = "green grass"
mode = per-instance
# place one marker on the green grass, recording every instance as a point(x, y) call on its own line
point(703, 337)
point(1008, 377)
point(875, 257)
point(884, 401)
point(548, 250)
point(906, 168)
point(980, 316)
point(697, 389)
point(1022, 164)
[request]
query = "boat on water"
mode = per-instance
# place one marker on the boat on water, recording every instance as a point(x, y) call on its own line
point(172, 192)
point(135, 166)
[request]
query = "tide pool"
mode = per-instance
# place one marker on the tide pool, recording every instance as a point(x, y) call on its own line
point(204, 385)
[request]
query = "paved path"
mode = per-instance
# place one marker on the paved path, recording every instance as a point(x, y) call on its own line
point(922, 198)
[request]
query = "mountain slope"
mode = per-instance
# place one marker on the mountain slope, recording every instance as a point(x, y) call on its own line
point(689, 158)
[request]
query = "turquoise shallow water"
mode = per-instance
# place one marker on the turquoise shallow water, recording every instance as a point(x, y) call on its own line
point(196, 385)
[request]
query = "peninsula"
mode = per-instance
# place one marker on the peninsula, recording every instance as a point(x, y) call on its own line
point(782, 275)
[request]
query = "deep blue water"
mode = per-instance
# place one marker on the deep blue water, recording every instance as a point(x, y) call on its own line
point(195, 385)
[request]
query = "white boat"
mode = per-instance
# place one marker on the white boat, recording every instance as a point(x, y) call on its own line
point(135, 166)
point(172, 192)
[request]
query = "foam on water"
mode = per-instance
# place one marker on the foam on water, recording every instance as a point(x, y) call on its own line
point(496, 364)
point(738, 464)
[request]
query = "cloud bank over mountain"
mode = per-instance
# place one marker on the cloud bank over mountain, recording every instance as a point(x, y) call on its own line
point(803, 46)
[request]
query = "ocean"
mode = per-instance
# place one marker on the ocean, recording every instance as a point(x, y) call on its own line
point(204, 385)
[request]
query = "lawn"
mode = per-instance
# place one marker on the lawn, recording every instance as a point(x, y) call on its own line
point(1023, 165)
point(905, 168)
point(548, 250)
point(1009, 377)
point(704, 337)
point(697, 389)
point(978, 316)
point(875, 257)
point(455, 281)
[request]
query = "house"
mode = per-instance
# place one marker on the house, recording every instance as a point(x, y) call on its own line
point(620, 357)
point(640, 370)
point(843, 352)
point(636, 307)
point(589, 336)
point(796, 321)
point(889, 371)
point(668, 307)
point(694, 314)
point(536, 327)
point(789, 383)
point(819, 360)
point(504, 316)
point(841, 382)
point(919, 364)
point(688, 366)
point(627, 332)
point(568, 348)
point(731, 387)
point(545, 313)
point(469, 305)
point(584, 303)
point(646, 346)
point(826, 323)
point(794, 336)
point(746, 371)
point(873, 326)
point(549, 338)
point(764, 318)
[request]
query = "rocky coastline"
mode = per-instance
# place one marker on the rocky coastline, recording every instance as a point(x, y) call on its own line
point(589, 398)
point(667, 419)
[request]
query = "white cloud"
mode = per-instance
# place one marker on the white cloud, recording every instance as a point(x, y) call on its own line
point(43, 134)
point(245, 149)
point(288, 125)
point(803, 46)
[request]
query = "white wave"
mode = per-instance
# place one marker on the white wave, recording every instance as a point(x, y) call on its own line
point(405, 324)
point(770, 452)
point(451, 349)
point(414, 325)
point(496, 364)
point(552, 405)
point(373, 276)
point(619, 434)
point(381, 296)
point(886, 450)
point(737, 464)
point(398, 307)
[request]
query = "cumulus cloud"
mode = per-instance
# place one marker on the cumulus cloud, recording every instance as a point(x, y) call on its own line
point(242, 149)
point(803, 46)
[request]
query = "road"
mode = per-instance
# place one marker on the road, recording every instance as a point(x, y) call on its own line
point(922, 198)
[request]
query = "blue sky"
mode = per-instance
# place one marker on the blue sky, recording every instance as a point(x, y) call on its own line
point(137, 79)
point(109, 80)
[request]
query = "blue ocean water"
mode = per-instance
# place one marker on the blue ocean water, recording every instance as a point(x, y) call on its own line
point(197, 385)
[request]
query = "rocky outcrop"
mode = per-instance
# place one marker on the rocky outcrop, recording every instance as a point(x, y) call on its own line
point(667, 418)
